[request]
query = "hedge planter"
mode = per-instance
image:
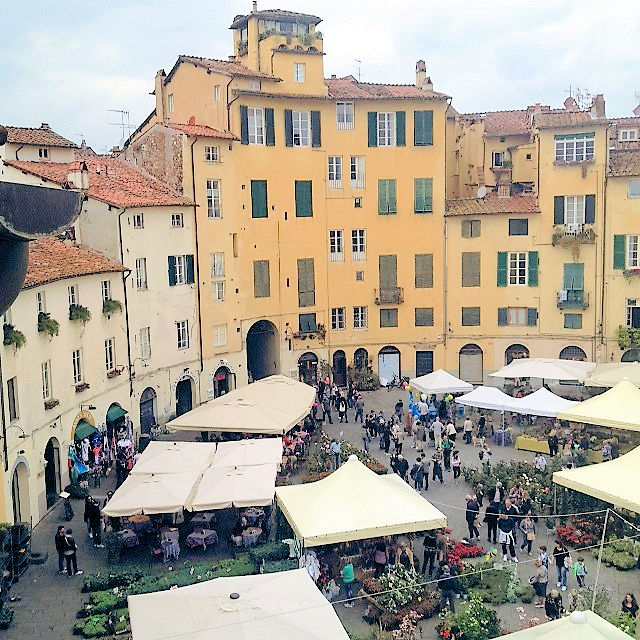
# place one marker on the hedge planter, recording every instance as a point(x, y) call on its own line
point(111, 306)
point(46, 324)
point(13, 337)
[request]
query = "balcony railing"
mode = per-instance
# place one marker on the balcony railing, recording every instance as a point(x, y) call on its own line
point(571, 299)
point(358, 181)
point(573, 232)
point(391, 295)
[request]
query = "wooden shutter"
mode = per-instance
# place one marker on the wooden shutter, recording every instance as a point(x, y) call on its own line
point(244, 125)
point(470, 316)
point(261, 280)
point(306, 283)
point(465, 228)
point(573, 276)
point(532, 317)
point(533, 269)
point(269, 128)
point(424, 270)
point(423, 195)
point(172, 271)
point(471, 269)
point(288, 128)
point(424, 317)
point(316, 138)
point(502, 316)
point(388, 266)
point(304, 199)
point(383, 197)
point(590, 209)
point(558, 210)
point(259, 199)
point(372, 134)
point(422, 128)
point(391, 195)
point(401, 136)
point(619, 252)
point(428, 195)
point(502, 269)
point(190, 269)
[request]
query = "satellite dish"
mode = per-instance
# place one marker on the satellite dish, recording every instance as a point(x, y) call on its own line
point(482, 192)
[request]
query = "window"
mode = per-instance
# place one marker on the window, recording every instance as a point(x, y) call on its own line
point(388, 272)
point(423, 198)
point(359, 276)
point(423, 271)
point(298, 72)
point(76, 361)
point(12, 393)
point(632, 252)
point(170, 103)
point(357, 203)
point(528, 156)
point(335, 172)
point(633, 313)
point(497, 158)
point(138, 221)
point(573, 321)
point(109, 354)
point(358, 245)
point(219, 335)
point(517, 316)
point(182, 329)
point(301, 128)
point(388, 317)
point(422, 128)
point(337, 318)
point(626, 135)
point(304, 199)
point(145, 343)
point(105, 288)
point(306, 283)
point(216, 92)
point(517, 268)
point(255, 120)
point(217, 276)
point(141, 274)
point(41, 302)
point(43, 152)
point(261, 279)
point(307, 322)
point(424, 316)
point(357, 172)
point(386, 129)
point(471, 269)
point(177, 221)
point(344, 115)
point(360, 319)
point(73, 294)
point(336, 245)
point(212, 153)
point(45, 371)
point(574, 210)
point(386, 197)
point(259, 206)
point(181, 270)
point(470, 316)
point(470, 228)
point(634, 188)
point(575, 147)
point(519, 227)
point(213, 199)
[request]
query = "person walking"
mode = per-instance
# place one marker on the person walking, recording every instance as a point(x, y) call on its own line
point(491, 518)
point(580, 572)
point(553, 607)
point(380, 559)
point(437, 432)
point(342, 410)
point(426, 463)
point(423, 409)
point(630, 605)
point(60, 547)
point(359, 405)
point(560, 554)
point(528, 528)
point(386, 437)
point(336, 451)
point(326, 408)
point(366, 438)
point(456, 464)
point(539, 580)
point(430, 544)
point(451, 431)
point(398, 438)
point(506, 527)
point(446, 583)
point(436, 459)
point(419, 431)
point(467, 430)
point(447, 447)
point(471, 515)
point(348, 578)
point(70, 554)
point(402, 467)
point(552, 441)
point(93, 519)
point(480, 494)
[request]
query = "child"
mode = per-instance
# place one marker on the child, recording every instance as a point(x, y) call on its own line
point(543, 556)
point(580, 571)
point(573, 600)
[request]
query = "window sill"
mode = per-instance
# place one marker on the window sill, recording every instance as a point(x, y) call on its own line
point(573, 163)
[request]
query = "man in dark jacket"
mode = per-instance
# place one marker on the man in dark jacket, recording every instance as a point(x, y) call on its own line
point(447, 586)
point(94, 521)
point(491, 518)
point(471, 515)
point(430, 544)
point(70, 549)
point(402, 467)
point(507, 517)
point(60, 547)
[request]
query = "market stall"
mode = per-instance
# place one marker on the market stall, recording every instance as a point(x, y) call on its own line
point(485, 398)
point(539, 403)
point(248, 452)
point(546, 369)
point(609, 374)
point(174, 457)
point(268, 606)
point(439, 382)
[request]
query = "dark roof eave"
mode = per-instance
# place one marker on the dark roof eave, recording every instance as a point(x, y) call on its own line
point(297, 96)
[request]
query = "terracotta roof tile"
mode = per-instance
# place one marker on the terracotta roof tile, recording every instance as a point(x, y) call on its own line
point(226, 67)
point(507, 123)
point(624, 163)
point(563, 118)
point(202, 130)
point(348, 88)
point(492, 204)
point(110, 181)
point(51, 259)
point(275, 14)
point(624, 123)
point(37, 136)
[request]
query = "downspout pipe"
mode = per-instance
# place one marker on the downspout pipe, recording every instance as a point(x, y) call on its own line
point(125, 274)
point(5, 451)
point(195, 230)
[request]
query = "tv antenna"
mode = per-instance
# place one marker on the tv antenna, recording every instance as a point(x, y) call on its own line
point(359, 64)
point(124, 124)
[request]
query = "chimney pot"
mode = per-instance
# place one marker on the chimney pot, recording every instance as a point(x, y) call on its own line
point(192, 120)
point(333, 76)
point(45, 125)
point(570, 104)
point(254, 8)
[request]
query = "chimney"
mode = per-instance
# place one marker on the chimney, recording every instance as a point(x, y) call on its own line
point(77, 175)
point(254, 8)
point(422, 82)
point(636, 111)
point(44, 125)
point(159, 91)
point(570, 104)
point(597, 108)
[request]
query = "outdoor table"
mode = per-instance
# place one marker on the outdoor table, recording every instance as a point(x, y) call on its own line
point(203, 519)
point(253, 514)
point(250, 536)
point(171, 534)
point(128, 538)
point(202, 538)
point(171, 550)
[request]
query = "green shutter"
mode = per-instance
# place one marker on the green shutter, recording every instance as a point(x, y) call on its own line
point(533, 269)
point(502, 268)
point(422, 128)
point(423, 195)
point(502, 316)
point(270, 132)
point(388, 276)
point(424, 270)
point(306, 283)
point(316, 138)
point(304, 200)
point(172, 271)
point(471, 269)
point(558, 210)
point(288, 128)
point(391, 190)
point(259, 199)
point(244, 125)
point(532, 317)
point(401, 136)
point(619, 252)
point(372, 120)
point(190, 269)
point(261, 280)
point(383, 196)
point(590, 209)
point(573, 276)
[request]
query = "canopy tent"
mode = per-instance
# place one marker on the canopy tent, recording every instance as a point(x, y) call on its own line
point(440, 382)
point(546, 368)
point(539, 403)
point(161, 493)
point(271, 405)
point(270, 606)
point(354, 503)
point(253, 451)
point(615, 481)
point(618, 408)
point(579, 625)
point(84, 430)
point(115, 412)
point(224, 487)
point(175, 457)
point(609, 374)
point(485, 398)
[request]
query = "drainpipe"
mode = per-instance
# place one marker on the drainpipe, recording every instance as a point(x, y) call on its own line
point(229, 105)
point(5, 451)
point(125, 274)
point(445, 290)
point(18, 149)
point(603, 324)
point(195, 230)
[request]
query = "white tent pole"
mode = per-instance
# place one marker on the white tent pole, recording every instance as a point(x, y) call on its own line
point(595, 584)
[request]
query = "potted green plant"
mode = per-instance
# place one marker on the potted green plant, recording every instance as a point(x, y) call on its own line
point(78, 313)
point(6, 616)
point(13, 337)
point(51, 403)
point(111, 306)
point(46, 324)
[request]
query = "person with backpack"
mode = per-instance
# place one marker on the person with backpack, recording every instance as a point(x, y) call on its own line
point(70, 554)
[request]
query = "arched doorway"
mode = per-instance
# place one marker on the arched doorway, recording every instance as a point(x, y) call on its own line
point(389, 363)
point(184, 396)
point(340, 368)
point(52, 480)
point(148, 401)
point(223, 381)
point(573, 353)
point(514, 352)
point(20, 493)
point(115, 419)
point(262, 350)
point(308, 367)
point(361, 359)
point(470, 364)
point(631, 355)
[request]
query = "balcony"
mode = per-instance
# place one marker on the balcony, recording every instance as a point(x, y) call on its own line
point(571, 299)
point(390, 295)
point(571, 234)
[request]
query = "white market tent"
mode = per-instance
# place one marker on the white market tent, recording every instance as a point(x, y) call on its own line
point(354, 503)
point(440, 382)
point(485, 398)
point(174, 457)
point(609, 374)
point(579, 625)
point(224, 487)
point(252, 451)
point(539, 403)
point(618, 408)
point(545, 368)
point(615, 481)
point(269, 606)
point(272, 405)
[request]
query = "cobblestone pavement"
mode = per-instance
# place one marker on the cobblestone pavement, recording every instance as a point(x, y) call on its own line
point(49, 602)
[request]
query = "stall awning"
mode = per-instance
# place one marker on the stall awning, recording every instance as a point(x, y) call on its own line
point(609, 374)
point(440, 381)
point(84, 430)
point(269, 606)
point(616, 481)
point(618, 408)
point(252, 451)
point(175, 457)
point(545, 368)
point(272, 405)
point(115, 412)
point(354, 503)
point(485, 398)
point(540, 403)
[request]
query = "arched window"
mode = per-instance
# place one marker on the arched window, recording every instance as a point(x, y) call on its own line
point(471, 364)
point(631, 355)
point(573, 353)
point(514, 352)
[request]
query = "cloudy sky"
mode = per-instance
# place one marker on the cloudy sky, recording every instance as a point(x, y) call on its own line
point(69, 63)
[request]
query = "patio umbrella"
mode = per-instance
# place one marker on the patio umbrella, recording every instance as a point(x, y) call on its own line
point(545, 368)
point(252, 451)
point(609, 374)
point(175, 457)
point(440, 381)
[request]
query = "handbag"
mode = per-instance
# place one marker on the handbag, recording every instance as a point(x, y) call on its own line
point(531, 535)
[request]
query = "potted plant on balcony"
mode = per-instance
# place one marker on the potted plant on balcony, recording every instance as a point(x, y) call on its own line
point(111, 306)
point(82, 386)
point(46, 324)
point(78, 313)
point(51, 403)
point(114, 373)
point(13, 337)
